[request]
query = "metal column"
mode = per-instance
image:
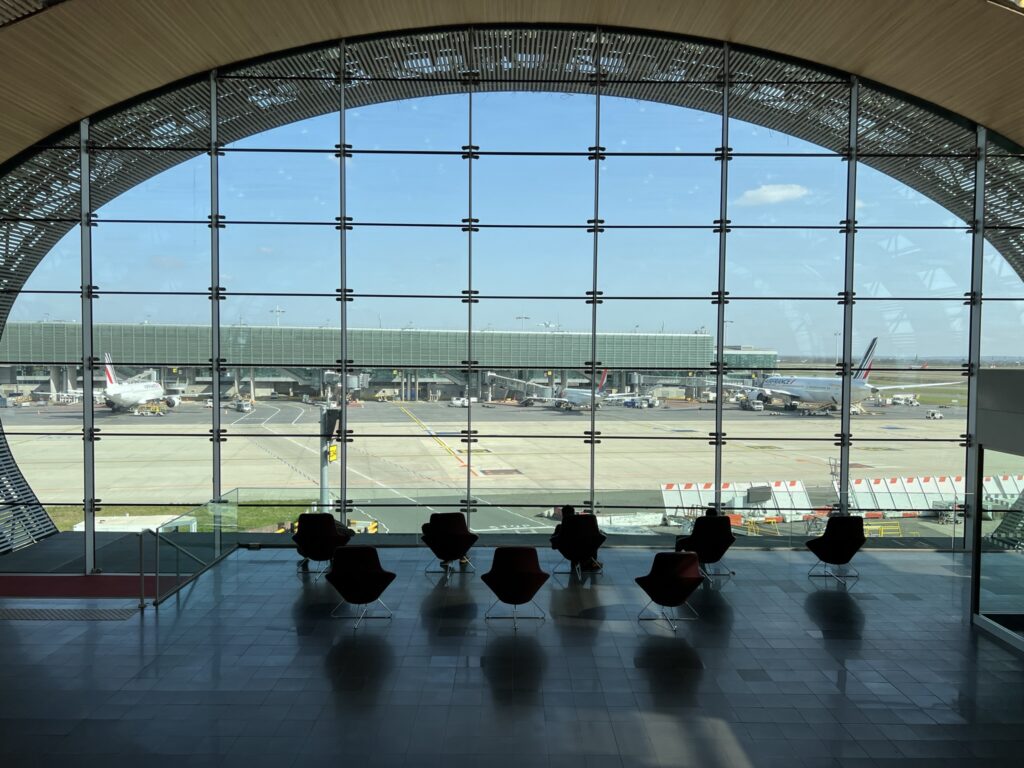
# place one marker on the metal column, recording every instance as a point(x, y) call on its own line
point(469, 227)
point(596, 155)
point(343, 291)
point(216, 432)
point(844, 367)
point(89, 359)
point(722, 227)
point(972, 508)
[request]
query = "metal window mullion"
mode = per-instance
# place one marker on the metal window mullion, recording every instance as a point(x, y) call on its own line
point(591, 491)
point(215, 350)
point(88, 353)
point(723, 215)
point(470, 368)
point(972, 508)
point(343, 350)
point(846, 396)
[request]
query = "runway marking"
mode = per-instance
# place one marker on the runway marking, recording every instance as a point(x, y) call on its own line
point(436, 439)
point(302, 412)
point(533, 522)
point(276, 411)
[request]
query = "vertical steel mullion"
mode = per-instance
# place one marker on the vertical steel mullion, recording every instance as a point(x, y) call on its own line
point(972, 476)
point(470, 367)
point(591, 492)
point(215, 350)
point(850, 226)
point(343, 287)
point(88, 353)
point(723, 228)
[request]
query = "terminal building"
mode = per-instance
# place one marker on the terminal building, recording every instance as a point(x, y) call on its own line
point(392, 185)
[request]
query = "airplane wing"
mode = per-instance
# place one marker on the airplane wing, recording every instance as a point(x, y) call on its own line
point(771, 391)
point(917, 386)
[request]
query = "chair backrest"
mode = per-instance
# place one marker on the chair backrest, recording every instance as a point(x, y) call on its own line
point(516, 560)
point(580, 525)
point(675, 565)
point(845, 527)
point(712, 527)
point(448, 522)
point(316, 525)
point(356, 559)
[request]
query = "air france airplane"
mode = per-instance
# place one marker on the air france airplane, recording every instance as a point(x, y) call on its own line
point(123, 396)
point(819, 392)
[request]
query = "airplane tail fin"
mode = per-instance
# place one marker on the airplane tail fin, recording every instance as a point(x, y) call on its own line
point(604, 379)
point(864, 369)
point(108, 367)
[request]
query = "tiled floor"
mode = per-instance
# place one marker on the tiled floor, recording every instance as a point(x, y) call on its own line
point(247, 669)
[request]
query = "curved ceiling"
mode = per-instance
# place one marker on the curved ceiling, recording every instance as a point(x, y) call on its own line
point(77, 58)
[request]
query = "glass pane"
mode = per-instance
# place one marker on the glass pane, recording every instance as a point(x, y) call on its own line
point(533, 190)
point(913, 263)
point(151, 257)
point(999, 278)
point(276, 330)
point(912, 333)
point(238, 100)
point(407, 189)
point(780, 404)
point(263, 258)
point(557, 332)
point(44, 328)
point(913, 492)
point(411, 260)
point(884, 201)
point(436, 124)
point(533, 262)
point(50, 461)
point(534, 122)
point(803, 333)
point(658, 262)
point(787, 191)
point(644, 125)
point(785, 262)
point(180, 193)
point(1002, 588)
point(60, 269)
point(147, 469)
point(660, 191)
point(1002, 333)
point(279, 186)
point(152, 328)
point(272, 469)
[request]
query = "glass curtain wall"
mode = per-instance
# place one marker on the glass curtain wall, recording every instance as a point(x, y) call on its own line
point(635, 290)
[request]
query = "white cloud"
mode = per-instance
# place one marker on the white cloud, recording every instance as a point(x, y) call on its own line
point(771, 194)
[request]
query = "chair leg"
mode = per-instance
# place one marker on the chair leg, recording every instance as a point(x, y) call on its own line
point(515, 614)
point(362, 614)
point(664, 614)
point(302, 569)
point(849, 573)
point(712, 572)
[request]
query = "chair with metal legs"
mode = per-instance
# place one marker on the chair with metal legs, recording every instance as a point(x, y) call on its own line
point(515, 578)
point(317, 537)
point(673, 578)
point(710, 539)
point(843, 538)
point(357, 575)
point(577, 540)
point(450, 539)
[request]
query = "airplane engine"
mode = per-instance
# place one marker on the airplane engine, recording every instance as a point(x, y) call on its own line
point(109, 403)
point(172, 401)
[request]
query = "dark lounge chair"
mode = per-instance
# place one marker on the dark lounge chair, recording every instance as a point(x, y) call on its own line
point(710, 539)
point(514, 578)
point(578, 540)
point(673, 578)
point(449, 538)
point(316, 539)
point(357, 575)
point(843, 538)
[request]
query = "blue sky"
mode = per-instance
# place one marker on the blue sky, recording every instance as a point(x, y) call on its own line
point(548, 263)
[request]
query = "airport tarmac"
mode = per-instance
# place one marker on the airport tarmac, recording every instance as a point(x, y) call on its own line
point(413, 453)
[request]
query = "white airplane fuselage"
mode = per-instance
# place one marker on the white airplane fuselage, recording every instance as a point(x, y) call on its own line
point(130, 394)
point(815, 391)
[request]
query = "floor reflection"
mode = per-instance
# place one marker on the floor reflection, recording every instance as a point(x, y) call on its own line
point(673, 669)
point(513, 665)
point(840, 623)
point(358, 664)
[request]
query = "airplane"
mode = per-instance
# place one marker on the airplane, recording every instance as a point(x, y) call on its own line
point(123, 396)
point(569, 398)
point(811, 393)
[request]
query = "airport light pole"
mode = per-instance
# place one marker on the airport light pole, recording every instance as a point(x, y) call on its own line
point(522, 321)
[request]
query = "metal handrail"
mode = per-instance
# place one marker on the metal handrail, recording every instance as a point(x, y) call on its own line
point(157, 538)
